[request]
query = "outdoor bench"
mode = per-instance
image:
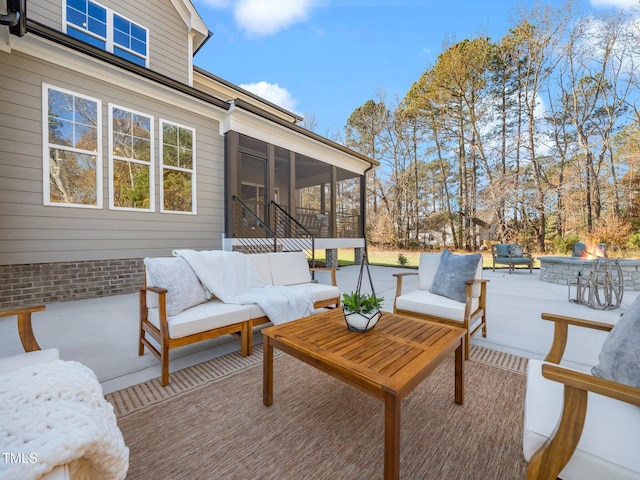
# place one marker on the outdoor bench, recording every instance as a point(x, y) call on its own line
point(175, 310)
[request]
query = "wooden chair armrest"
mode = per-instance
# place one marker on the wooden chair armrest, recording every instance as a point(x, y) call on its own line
point(151, 288)
point(561, 332)
point(555, 453)
point(589, 383)
point(399, 276)
point(25, 329)
point(476, 281)
point(333, 271)
point(404, 274)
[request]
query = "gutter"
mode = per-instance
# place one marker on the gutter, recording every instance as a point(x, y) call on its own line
point(209, 35)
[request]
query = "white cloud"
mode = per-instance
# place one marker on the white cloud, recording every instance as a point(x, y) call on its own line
point(217, 3)
point(265, 17)
point(624, 4)
point(272, 92)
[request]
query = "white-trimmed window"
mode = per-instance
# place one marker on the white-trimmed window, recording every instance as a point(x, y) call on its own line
point(130, 160)
point(101, 27)
point(178, 168)
point(72, 168)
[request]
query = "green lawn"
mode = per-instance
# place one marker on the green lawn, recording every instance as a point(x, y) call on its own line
point(389, 258)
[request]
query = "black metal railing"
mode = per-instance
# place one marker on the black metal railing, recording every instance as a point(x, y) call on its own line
point(292, 235)
point(253, 235)
point(286, 234)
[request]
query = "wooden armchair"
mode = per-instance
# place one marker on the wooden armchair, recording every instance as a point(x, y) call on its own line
point(510, 254)
point(86, 415)
point(582, 426)
point(25, 330)
point(423, 304)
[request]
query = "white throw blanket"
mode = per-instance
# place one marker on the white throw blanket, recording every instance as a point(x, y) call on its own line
point(55, 413)
point(233, 278)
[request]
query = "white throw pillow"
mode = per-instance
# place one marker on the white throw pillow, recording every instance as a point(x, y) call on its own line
point(184, 289)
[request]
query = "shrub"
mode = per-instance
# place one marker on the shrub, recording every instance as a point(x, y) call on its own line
point(565, 244)
point(634, 241)
point(402, 260)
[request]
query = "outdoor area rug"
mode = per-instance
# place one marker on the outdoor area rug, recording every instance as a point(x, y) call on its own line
point(209, 423)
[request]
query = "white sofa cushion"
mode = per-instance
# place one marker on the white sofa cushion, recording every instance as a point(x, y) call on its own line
point(289, 268)
point(14, 362)
point(263, 265)
point(203, 317)
point(184, 290)
point(427, 303)
point(608, 447)
point(321, 291)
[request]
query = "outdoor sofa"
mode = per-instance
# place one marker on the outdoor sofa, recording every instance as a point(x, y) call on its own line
point(176, 310)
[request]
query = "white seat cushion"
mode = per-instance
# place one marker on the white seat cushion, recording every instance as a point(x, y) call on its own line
point(608, 447)
point(255, 311)
point(203, 317)
point(321, 291)
point(289, 268)
point(14, 362)
point(427, 303)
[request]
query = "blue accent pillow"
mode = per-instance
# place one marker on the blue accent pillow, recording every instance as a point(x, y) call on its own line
point(453, 273)
point(620, 355)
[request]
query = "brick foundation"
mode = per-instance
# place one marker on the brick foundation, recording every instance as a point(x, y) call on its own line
point(37, 283)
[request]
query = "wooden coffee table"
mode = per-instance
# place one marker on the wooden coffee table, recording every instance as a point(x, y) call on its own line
point(387, 362)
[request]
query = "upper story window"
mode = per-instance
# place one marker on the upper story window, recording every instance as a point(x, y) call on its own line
point(101, 27)
point(72, 149)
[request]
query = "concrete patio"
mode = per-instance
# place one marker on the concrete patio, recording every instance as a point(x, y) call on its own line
point(102, 333)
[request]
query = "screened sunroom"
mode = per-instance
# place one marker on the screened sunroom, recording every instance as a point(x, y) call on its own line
point(286, 198)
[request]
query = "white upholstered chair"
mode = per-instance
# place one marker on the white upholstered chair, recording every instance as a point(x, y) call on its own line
point(422, 303)
point(578, 426)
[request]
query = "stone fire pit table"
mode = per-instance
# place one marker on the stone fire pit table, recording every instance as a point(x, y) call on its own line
point(563, 270)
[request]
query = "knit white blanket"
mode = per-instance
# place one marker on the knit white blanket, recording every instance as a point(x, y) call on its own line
point(55, 413)
point(233, 278)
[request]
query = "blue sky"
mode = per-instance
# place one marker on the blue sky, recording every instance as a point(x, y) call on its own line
point(328, 57)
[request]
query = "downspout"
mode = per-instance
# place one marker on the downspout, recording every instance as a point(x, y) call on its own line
point(363, 205)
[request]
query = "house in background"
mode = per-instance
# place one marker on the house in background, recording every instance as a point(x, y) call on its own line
point(114, 147)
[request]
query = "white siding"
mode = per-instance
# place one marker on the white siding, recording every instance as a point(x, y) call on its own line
point(33, 233)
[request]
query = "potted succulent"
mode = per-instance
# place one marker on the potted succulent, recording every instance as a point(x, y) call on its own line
point(361, 310)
